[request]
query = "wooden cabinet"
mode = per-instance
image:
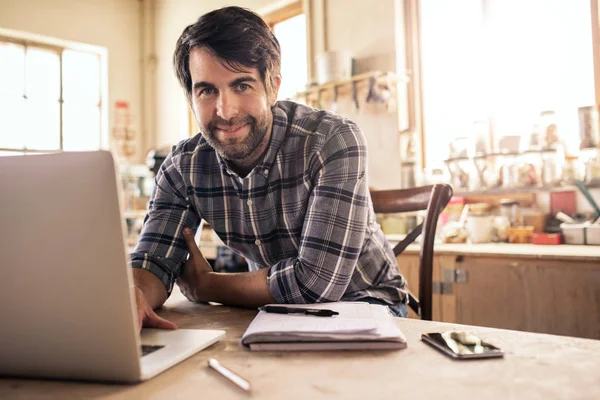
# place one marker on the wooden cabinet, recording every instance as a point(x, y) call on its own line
point(549, 296)
point(409, 266)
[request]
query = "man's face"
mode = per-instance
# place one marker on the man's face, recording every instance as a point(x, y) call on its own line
point(233, 109)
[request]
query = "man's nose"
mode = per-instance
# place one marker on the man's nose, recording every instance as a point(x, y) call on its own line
point(227, 106)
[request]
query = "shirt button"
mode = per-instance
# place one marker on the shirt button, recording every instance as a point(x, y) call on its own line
point(266, 171)
point(257, 242)
point(249, 202)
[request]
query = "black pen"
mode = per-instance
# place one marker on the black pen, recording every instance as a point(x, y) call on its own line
point(298, 310)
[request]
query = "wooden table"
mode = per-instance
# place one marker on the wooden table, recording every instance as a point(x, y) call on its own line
point(536, 366)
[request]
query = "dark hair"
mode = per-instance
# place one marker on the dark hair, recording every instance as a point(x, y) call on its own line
point(236, 35)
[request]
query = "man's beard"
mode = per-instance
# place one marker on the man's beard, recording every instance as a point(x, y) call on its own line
point(228, 148)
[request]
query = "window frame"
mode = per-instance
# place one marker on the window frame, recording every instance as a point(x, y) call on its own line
point(288, 11)
point(58, 46)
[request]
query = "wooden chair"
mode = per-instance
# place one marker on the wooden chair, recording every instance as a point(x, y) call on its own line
point(433, 199)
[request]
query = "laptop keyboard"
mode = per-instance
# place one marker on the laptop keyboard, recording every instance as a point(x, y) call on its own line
point(147, 349)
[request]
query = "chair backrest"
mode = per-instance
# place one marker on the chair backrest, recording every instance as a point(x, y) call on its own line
point(433, 199)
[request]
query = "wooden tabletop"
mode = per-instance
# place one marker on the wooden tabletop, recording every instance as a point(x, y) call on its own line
point(536, 366)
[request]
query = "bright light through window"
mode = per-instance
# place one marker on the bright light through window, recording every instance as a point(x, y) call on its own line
point(31, 98)
point(291, 35)
point(508, 60)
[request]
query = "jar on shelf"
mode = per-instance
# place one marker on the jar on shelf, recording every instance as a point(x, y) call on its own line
point(508, 171)
point(551, 168)
point(528, 169)
point(550, 139)
point(589, 127)
point(459, 169)
point(572, 170)
point(592, 167)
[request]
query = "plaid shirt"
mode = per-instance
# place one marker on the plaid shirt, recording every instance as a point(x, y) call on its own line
point(304, 212)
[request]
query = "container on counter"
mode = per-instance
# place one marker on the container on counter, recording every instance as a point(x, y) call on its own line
point(520, 234)
point(592, 234)
point(501, 225)
point(574, 233)
point(480, 227)
point(547, 238)
point(509, 208)
point(534, 218)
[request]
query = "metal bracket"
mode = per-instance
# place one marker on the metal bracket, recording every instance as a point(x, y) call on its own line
point(461, 276)
point(455, 275)
point(441, 287)
point(448, 274)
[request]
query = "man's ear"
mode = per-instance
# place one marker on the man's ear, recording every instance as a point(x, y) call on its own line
point(275, 92)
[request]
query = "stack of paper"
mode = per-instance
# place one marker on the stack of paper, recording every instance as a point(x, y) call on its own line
point(359, 325)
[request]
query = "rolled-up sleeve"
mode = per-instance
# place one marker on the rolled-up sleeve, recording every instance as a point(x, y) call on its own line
point(334, 227)
point(161, 248)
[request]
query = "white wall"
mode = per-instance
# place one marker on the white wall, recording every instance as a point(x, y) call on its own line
point(113, 24)
point(367, 30)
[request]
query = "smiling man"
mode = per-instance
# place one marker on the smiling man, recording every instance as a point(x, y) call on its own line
point(282, 184)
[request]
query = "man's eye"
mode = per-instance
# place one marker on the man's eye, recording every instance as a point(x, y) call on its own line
point(207, 91)
point(242, 87)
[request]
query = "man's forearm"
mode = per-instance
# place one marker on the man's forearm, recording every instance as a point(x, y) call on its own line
point(248, 289)
point(151, 286)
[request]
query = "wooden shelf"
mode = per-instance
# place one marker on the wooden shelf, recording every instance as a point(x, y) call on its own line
point(362, 79)
point(526, 189)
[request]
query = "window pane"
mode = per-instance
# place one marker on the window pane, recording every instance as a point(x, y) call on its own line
point(43, 125)
point(508, 63)
point(42, 74)
point(291, 35)
point(543, 62)
point(12, 117)
point(81, 77)
point(12, 69)
point(81, 127)
point(453, 73)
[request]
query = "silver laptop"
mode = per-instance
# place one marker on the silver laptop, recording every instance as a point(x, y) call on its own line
point(67, 309)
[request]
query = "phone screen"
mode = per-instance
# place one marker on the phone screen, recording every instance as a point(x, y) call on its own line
point(461, 345)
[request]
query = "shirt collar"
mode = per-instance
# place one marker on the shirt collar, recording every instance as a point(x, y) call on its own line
point(279, 128)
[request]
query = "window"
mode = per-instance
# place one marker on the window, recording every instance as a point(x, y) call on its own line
point(289, 26)
point(50, 98)
point(503, 62)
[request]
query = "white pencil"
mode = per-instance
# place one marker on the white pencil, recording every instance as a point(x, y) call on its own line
point(229, 374)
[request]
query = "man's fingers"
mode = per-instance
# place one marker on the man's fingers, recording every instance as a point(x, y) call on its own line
point(188, 235)
point(154, 321)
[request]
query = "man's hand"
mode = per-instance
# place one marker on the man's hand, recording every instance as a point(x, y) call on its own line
point(193, 281)
point(147, 318)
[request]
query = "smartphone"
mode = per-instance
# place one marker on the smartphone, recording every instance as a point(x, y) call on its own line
point(461, 345)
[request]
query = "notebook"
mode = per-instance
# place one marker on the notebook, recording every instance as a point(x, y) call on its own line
point(359, 325)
